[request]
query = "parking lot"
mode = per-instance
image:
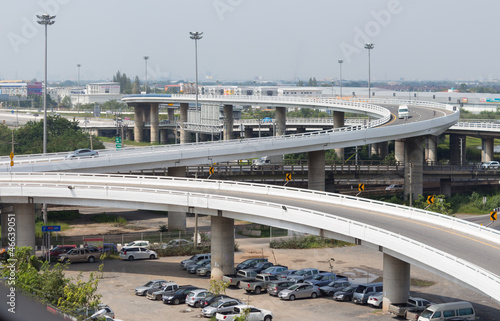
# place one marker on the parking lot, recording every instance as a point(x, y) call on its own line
point(359, 263)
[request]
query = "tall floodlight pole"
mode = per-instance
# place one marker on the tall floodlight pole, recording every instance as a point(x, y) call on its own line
point(45, 20)
point(146, 75)
point(78, 103)
point(195, 35)
point(340, 64)
point(369, 46)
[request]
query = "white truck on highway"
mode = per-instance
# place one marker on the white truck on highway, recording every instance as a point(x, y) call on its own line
point(272, 161)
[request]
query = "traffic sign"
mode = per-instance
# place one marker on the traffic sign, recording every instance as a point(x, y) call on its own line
point(51, 228)
point(493, 216)
point(361, 187)
point(118, 141)
point(430, 199)
point(11, 155)
point(288, 176)
point(11, 163)
point(211, 170)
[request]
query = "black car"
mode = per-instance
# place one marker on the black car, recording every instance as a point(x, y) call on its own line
point(259, 267)
point(345, 294)
point(178, 296)
point(213, 298)
point(247, 264)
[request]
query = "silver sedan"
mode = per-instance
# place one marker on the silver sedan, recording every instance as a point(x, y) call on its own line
point(298, 291)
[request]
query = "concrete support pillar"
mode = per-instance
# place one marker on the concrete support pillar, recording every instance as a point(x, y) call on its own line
point(176, 220)
point(339, 122)
point(445, 186)
point(280, 121)
point(248, 132)
point(431, 150)
point(228, 122)
point(396, 281)
point(184, 134)
point(414, 169)
point(171, 115)
point(155, 129)
point(316, 172)
point(222, 246)
point(383, 149)
point(25, 224)
point(138, 123)
point(399, 150)
point(130, 134)
point(457, 149)
point(163, 136)
point(487, 151)
point(374, 149)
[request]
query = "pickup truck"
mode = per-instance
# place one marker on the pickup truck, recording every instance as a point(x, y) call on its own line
point(413, 304)
point(79, 255)
point(241, 275)
point(324, 278)
point(304, 274)
point(253, 315)
point(157, 294)
point(260, 283)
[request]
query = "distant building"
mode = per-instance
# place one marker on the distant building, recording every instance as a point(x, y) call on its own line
point(20, 88)
point(95, 93)
point(300, 91)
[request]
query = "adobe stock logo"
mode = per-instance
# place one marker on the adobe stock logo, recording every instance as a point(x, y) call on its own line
point(224, 6)
point(30, 28)
point(381, 20)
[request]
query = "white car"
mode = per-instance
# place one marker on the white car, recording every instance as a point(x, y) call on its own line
point(375, 300)
point(135, 253)
point(85, 152)
point(138, 243)
point(491, 165)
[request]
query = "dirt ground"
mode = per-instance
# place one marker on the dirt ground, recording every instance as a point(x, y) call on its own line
point(359, 263)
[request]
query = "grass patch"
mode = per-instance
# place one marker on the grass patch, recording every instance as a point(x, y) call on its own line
point(308, 242)
point(107, 256)
point(107, 218)
point(421, 283)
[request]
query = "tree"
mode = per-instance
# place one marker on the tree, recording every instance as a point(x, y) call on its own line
point(136, 87)
point(114, 105)
point(66, 102)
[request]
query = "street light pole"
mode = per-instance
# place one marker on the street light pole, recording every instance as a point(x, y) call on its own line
point(146, 75)
point(195, 35)
point(340, 64)
point(369, 46)
point(45, 20)
point(78, 103)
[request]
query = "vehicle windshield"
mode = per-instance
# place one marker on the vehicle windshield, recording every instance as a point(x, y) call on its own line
point(360, 289)
point(300, 272)
point(149, 283)
point(293, 287)
point(349, 288)
point(426, 314)
point(214, 304)
point(317, 277)
point(268, 270)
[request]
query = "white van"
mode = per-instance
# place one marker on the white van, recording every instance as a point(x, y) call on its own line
point(403, 111)
point(446, 311)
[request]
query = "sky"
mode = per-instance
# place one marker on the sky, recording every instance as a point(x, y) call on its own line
point(252, 39)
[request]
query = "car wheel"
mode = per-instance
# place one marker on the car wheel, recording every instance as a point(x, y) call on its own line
point(238, 285)
point(176, 301)
point(197, 304)
point(257, 290)
point(291, 297)
point(66, 260)
point(152, 256)
point(268, 318)
point(314, 295)
point(131, 258)
point(91, 259)
point(329, 294)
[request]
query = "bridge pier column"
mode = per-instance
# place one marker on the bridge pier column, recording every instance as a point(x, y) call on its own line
point(487, 152)
point(176, 220)
point(396, 281)
point(280, 121)
point(316, 172)
point(155, 129)
point(374, 149)
point(129, 134)
point(228, 122)
point(445, 186)
point(399, 150)
point(431, 150)
point(20, 218)
point(414, 169)
point(383, 149)
point(138, 123)
point(163, 136)
point(222, 246)
point(171, 115)
point(339, 122)
point(146, 115)
point(457, 149)
point(248, 132)
point(184, 134)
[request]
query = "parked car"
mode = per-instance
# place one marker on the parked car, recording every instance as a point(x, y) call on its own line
point(102, 310)
point(258, 284)
point(241, 275)
point(195, 297)
point(141, 243)
point(195, 258)
point(176, 243)
point(179, 296)
point(154, 284)
point(223, 305)
point(254, 314)
point(275, 287)
point(345, 294)
point(412, 304)
point(157, 294)
point(375, 300)
point(364, 290)
point(304, 274)
point(193, 267)
point(394, 187)
point(135, 253)
point(298, 291)
point(60, 249)
point(285, 274)
point(333, 287)
point(84, 152)
point(491, 165)
point(212, 298)
point(258, 267)
point(274, 270)
point(324, 278)
point(204, 270)
point(109, 248)
point(79, 255)
point(249, 263)
point(461, 310)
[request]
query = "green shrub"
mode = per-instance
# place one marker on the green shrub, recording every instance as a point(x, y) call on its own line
point(107, 218)
point(307, 242)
